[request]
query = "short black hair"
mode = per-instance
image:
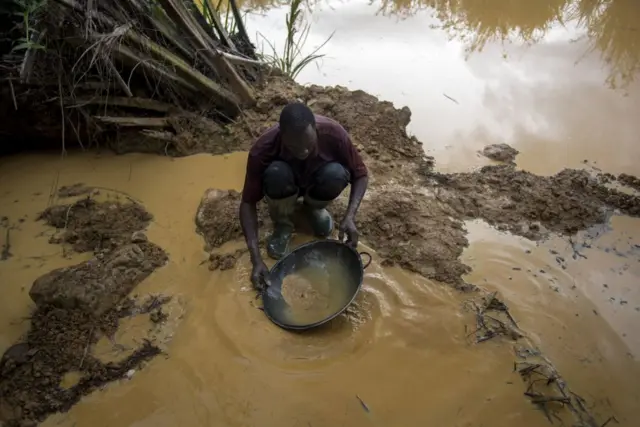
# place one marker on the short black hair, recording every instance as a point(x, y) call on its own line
point(295, 117)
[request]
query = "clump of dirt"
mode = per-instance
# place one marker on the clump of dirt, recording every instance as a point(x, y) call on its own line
point(217, 217)
point(501, 153)
point(225, 261)
point(530, 205)
point(91, 226)
point(59, 342)
point(629, 181)
point(412, 229)
point(98, 285)
point(74, 190)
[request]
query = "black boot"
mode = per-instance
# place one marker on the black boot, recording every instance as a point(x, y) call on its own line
point(318, 216)
point(281, 212)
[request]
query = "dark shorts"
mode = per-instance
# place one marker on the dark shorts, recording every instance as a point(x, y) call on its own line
point(326, 183)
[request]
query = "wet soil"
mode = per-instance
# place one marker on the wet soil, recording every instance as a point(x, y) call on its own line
point(530, 205)
point(629, 180)
point(59, 342)
point(74, 190)
point(88, 225)
point(413, 216)
point(77, 305)
point(376, 127)
point(216, 219)
point(97, 285)
point(410, 228)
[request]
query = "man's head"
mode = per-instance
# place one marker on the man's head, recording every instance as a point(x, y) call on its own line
point(298, 130)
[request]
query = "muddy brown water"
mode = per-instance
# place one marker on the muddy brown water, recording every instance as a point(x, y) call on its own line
point(401, 356)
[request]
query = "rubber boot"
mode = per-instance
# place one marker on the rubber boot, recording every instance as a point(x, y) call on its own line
point(318, 216)
point(281, 212)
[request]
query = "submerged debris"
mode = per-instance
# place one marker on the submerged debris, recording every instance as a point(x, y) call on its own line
point(545, 388)
point(5, 254)
point(549, 392)
point(225, 261)
point(74, 190)
point(492, 319)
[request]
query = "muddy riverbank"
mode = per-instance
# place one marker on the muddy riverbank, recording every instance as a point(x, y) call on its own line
point(412, 217)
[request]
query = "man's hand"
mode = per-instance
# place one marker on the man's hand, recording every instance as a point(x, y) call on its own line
point(259, 275)
point(348, 227)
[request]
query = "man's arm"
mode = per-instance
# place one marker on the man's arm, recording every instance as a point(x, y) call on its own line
point(351, 159)
point(251, 195)
point(249, 224)
point(358, 188)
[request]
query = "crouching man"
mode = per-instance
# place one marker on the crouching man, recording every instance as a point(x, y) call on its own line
point(308, 156)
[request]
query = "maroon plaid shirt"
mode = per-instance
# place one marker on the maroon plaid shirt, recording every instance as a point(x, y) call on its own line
point(334, 145)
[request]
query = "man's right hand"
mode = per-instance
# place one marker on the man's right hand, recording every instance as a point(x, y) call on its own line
point(259, 275)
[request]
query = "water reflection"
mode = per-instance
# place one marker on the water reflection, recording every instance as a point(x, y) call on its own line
point(611, 26)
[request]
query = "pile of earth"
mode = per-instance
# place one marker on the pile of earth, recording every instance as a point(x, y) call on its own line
point(91, 226)
point(59, 343)
point(76, 306)
point(412, 216)
point(501, 153)
point(530, 205)
point(377, 128)
point(405, 226)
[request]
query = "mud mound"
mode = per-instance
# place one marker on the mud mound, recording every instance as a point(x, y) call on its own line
point(59, 342)
point(88, 225)
point(225, 261)
point(406, 227)
point(376, 127)
point(500, 153)
point(531, 205)
point(74, 190)
point(97, 285)
point(217, 217)
point(418, 229)
point(76, 306)
point(629, 181)
point(413, 230)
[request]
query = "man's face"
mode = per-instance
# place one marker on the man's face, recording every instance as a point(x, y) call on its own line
point(300, 144)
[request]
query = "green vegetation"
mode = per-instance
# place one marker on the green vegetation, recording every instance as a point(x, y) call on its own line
point(290, 59)
point(27, 9)
point(213, 8)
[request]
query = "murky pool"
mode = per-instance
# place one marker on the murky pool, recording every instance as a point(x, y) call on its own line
point(403, 357)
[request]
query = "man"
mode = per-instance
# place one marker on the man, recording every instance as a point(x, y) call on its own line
point(304, 155)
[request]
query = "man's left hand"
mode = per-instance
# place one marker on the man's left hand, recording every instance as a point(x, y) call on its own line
point(348, 227)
